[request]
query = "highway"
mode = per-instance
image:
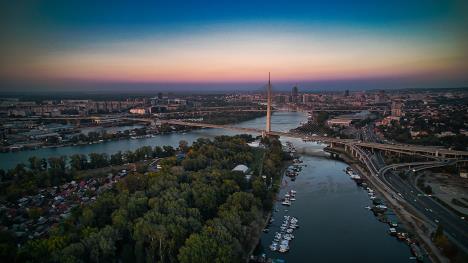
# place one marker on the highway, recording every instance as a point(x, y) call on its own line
point(435, 213)
point(454, 226)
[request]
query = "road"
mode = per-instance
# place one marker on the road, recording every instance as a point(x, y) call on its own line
point(455, 227)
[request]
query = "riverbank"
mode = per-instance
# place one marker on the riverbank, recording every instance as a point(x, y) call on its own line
point(409, 216)
point(79, 136)
point(99, 141)
point(269, 214)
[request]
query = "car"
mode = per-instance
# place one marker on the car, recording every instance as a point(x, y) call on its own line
point(437, 221)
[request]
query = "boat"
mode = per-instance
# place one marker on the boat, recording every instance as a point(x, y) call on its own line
point(284, 246)
point(283, 249)
point(274, 246)
point(417, 252)
point(402, 236)
point(286, 203)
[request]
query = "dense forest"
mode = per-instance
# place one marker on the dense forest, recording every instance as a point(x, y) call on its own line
point(193, 209)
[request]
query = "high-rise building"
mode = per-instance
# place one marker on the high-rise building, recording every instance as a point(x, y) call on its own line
point(380, 97)
point(295, 94)
point(396, 109)
point(346, 93)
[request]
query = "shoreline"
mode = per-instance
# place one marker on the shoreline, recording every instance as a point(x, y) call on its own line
point(410, 218)
point(268, 215)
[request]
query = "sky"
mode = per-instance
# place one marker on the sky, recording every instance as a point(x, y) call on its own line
point(184, 45)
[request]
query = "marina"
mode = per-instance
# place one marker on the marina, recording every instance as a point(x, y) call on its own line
point(381, 211)
point(327, 203)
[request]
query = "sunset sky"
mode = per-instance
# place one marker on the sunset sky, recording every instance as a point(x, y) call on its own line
point(330, 44)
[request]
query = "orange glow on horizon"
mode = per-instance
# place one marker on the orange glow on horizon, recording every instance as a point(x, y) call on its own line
point(237, 56)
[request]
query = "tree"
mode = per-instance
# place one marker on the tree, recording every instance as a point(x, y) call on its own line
point(214, 243)
point(35, 163)
point(158, 152)
point(168, 151)
point(150, 240)
point(7, 246)
point(183, 146)
point(116, 158)
point(57, 166)
point(205, 199)
point(129, 156)
point(97, 160)
point(74, 252)
point(205, 213)
point(78, 162)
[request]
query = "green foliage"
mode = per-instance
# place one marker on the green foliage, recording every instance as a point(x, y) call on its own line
point(194, 210)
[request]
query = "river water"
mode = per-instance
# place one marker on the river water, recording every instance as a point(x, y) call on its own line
point(281, 121)
point(334, 225)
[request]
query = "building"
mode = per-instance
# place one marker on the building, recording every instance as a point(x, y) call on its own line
point(241, 168)
point(388, 120)
point(139, 111)
point(339, 122)
point(380, 97)
point(281, 98)
point(244, 170)
point(295, 94)
point(396, 109)
point(464, 174)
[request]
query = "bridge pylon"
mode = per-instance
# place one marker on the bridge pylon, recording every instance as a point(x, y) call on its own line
point(268, 117)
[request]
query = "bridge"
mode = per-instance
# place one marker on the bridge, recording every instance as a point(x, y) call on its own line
point(348, 144)
point(408, 201)
point(352, 146)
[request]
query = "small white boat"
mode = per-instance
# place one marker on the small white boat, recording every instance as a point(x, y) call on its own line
point(274, 246)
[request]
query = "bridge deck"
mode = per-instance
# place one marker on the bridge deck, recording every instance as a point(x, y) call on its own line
point(389, 147)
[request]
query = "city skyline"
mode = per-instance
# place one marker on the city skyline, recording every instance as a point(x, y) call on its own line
point(218, 46)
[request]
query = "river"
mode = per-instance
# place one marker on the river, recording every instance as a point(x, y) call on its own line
point(334, 225)
point(281, 121)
